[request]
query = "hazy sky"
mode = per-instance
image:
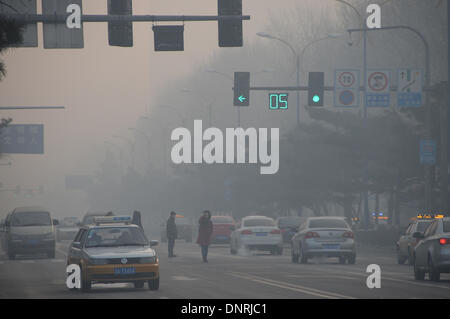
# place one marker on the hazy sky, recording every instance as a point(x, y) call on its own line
point(104, 89)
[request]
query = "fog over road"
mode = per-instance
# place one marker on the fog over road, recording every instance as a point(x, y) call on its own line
point(229, 276)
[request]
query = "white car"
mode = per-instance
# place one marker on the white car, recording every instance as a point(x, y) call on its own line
point(256, 233)
point(325, 237)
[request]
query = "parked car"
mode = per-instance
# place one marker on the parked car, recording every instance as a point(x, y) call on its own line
point(29, 230)
point(325, 237)
point(222, 226)
point(257, 233)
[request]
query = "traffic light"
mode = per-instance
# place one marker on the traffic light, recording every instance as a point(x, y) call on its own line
point(315, 88)
point(241, 89)
point(120, 33)
point(230, 31)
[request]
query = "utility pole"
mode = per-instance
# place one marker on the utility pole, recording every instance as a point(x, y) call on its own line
point(448, 108)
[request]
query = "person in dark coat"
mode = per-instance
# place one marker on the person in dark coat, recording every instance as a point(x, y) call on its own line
point(136, 220)
point(204, 233)
point(172, 233)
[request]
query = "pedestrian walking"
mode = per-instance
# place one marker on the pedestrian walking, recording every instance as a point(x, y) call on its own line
point(172, 233)
point(204, 233)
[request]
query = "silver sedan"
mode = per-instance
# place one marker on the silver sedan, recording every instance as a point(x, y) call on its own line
point(432, 252)
point(324, 237)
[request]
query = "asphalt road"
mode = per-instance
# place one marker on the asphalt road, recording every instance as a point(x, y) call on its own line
point(227, 276)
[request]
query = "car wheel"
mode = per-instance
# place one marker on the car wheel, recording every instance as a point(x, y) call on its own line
point(139, 284)
point(351, 259)
point(153, 284)
point(294, 257)
point(302, 256)
point(418, 273)
point(51, 254)
point(433, 272)
point(342, 259)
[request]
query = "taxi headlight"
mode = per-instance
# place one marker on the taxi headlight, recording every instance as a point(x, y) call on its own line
point(148, 260)
point(98, 261)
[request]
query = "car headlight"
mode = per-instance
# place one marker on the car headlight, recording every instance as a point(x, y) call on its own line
point(98, 261)
point(148, 260)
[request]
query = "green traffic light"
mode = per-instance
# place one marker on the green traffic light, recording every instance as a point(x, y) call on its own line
point(316, 98)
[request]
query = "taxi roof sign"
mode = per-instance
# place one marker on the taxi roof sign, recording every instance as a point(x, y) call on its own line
point(430, 216)
point(112, 220)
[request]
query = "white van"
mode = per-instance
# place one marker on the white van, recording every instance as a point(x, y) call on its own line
point(29, 230)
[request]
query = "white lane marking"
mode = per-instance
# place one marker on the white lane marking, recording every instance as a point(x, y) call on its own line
point(337, 276)
point(163, 297)
point(183, 278)
point(28, 261)
point(408, 281)
point(112, 285)
point(294, 287)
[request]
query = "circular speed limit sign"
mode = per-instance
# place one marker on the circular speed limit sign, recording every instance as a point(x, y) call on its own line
point(346, 79)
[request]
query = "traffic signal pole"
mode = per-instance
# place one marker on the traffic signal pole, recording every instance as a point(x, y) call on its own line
point(61, 18)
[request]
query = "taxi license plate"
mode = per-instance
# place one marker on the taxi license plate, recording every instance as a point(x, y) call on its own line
point(330, 246)
point(125, 271)
point(261, 234)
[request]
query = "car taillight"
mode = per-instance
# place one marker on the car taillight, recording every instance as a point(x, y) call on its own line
point(444, 241)
point(275, 231)
point(312, 234)
point(246, 232)
point(348, 234)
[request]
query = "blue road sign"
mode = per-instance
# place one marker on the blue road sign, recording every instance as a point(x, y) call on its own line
point(409, 89)
point(22, 139)
point(428, 152)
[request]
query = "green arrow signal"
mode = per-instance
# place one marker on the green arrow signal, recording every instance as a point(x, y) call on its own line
point(242, 99)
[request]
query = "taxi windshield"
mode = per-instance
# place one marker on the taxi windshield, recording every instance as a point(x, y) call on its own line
point(115, 236)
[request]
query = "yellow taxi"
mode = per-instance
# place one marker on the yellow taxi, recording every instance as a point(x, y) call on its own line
point(114, 251)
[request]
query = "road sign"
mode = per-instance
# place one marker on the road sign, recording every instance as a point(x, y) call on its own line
point(346, 88)
point(26, 7)
point(230, 31)
point(378, 88)
point(22, 139)
point(58, 35)
point(168, 37)
point(409, 91)
point(120, 33)
point(241, 89)
point(428, 152)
